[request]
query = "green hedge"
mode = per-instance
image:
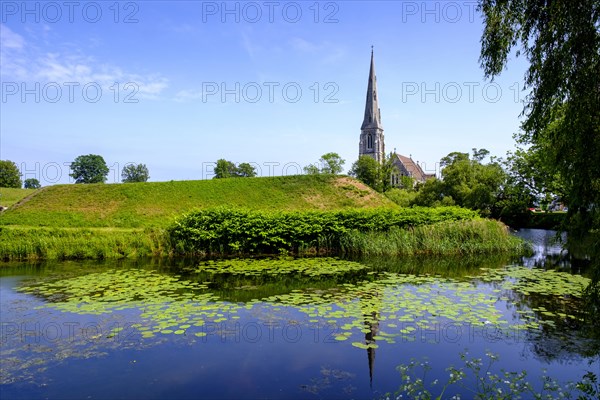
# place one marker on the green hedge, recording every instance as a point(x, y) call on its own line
point(230, 231)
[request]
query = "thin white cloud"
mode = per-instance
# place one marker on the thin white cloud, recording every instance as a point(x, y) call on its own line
point(22, 62)
point(10, 39)
point(325, 50)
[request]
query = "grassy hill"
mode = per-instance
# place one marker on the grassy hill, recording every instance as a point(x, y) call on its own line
point(155, 204)
point(10, 196)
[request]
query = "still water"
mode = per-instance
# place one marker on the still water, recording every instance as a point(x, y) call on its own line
point(285, 328)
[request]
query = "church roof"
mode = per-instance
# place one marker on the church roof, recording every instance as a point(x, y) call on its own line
point(412, 168)
point(372, 116)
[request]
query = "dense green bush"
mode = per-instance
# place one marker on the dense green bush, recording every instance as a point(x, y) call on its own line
point(228, 230)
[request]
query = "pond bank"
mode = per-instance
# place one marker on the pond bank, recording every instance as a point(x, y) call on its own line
point(445, 238)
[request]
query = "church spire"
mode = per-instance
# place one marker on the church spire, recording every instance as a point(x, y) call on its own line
point(371, 132)
point(372, 116)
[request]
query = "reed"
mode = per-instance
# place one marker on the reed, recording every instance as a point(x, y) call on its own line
point(466, 237)
point(25, 243)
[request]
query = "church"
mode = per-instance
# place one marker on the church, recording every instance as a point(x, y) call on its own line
point(372, 142)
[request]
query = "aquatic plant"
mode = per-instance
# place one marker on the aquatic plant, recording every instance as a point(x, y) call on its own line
point(400, 304)
point(477, 378)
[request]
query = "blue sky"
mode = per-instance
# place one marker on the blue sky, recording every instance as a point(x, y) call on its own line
point(179, 84)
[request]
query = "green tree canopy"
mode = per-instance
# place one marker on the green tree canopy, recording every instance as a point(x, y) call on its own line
point(10, 176)
point(90, 168)
point(467, 181)
point(227, 169)
point(561, 41)
point(311, 169)
point(370, 172)
point(367, 170)
point(246, 170)
point(431, 193)
point(31, 183)
point(135, 173)
point(332, 163)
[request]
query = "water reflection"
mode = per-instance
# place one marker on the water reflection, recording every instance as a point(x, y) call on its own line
point(547, 246)
point(399, 307)
point(550, 251)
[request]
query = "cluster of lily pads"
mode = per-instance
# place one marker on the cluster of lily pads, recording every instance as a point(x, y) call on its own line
point(388, 307)
point(280, 266)
point(534, 280)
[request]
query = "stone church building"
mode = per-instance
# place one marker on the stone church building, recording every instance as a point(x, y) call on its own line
point(372, 142)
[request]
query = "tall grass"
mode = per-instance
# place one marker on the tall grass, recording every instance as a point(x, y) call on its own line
point(237, 232)
point(442, 239)
point(479, 236)
point(80, 243)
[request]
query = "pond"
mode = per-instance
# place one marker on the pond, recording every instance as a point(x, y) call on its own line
point(287, 328)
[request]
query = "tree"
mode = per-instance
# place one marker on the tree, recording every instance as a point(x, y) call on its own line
point(90, 168)
point(367, 170)
point(135, 173)
point(311, 169)
point(387, 168)
point(407, 183)
point(10, 176)
point(332, 163)
point(431, 193)
point(31, 183)
point(561, 41)
point(246, 170)
point(227, 169)
point(224, 169)
point(471, 183)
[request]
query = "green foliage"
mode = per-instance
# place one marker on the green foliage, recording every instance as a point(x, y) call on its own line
point(432, 194)
point(407, 183)
point(90, 168)
point(480, 381)
point(227, 169)
point(31, 183)
point(332, 163)
point(471, 183)
point(227, 230)
point(466, 182)
point(24, 243)
point(402, 197)
point(368, 171)
point(589, 386)
point(371, 173)
point(309, 266)
point(311, 169)
point(135, 173)
point(10, 176)
point(245, 170)
point(464, 237)
point(561, 42)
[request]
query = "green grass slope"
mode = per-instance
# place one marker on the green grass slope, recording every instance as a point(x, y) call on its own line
point(155, 204)
point(10, 196)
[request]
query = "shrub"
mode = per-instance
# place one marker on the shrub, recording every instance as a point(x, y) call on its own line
point(227, 230)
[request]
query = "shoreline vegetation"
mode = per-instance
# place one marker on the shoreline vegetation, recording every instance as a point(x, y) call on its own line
point(454, 234)
point(296, 215)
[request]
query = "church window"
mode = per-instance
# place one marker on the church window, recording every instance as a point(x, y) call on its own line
point(369, 141)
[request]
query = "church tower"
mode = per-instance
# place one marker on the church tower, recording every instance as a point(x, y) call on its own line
point(371, 132)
